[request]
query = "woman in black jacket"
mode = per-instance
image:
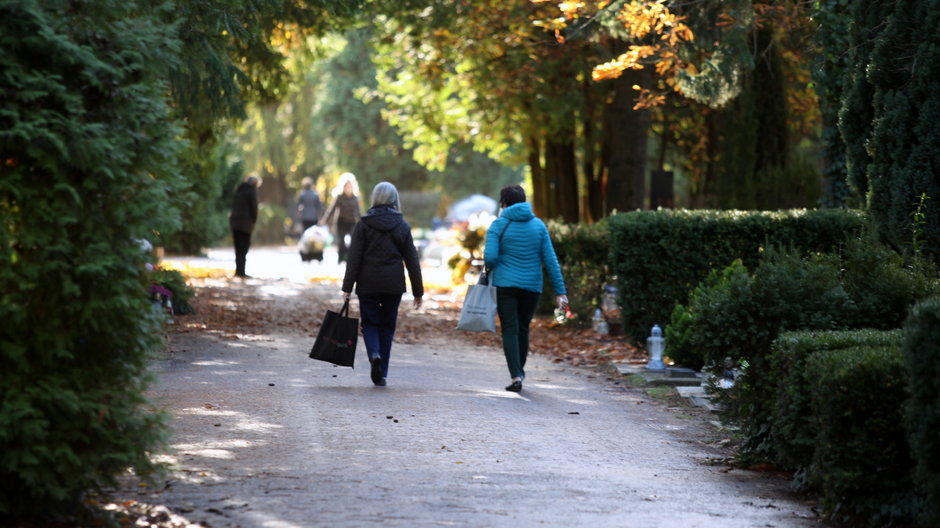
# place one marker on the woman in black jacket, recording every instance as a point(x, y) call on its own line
point(380, 242)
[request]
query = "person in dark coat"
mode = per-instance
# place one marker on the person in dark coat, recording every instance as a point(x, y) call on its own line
point(242, 220)
point(517, 248)
point(380, 242)
point(343, 212)
point(308, 204)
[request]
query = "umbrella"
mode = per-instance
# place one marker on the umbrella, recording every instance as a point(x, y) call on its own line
point(474, 204)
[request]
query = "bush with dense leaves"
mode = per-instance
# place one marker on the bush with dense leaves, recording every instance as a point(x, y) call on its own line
point(583, 252)
point(861, 458)
point(738, 315)
point(87, 143)
point(792, 434)
point(659, 257)
point(882, 285)
point(735, 315)
point(922, 420)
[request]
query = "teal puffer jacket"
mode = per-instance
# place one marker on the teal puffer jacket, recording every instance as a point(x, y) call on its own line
point(516, 258)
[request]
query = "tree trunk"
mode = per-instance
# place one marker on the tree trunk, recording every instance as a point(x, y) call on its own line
point(625, 135)
point(540, 191)
point(592, 207)
point(562, 171)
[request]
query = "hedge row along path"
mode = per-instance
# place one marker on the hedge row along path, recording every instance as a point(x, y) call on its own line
point(265, 437)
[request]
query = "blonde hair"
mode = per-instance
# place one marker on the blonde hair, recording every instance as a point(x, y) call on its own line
point(385, 193)
point(346, 177)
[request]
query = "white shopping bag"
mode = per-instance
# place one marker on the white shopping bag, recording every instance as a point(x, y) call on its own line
point(479, 308)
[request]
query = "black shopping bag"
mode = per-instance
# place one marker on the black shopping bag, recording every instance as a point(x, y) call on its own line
point(336, 342)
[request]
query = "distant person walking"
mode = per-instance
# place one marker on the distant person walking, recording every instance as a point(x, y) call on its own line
point(242, 220)
point(380, 243)
point(517, 247)
point(343, 212)
point(309, 205)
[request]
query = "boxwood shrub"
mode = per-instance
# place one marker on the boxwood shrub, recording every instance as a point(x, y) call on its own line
point(922, 361)
point(660, 256)
point(861, 457)
point(739, 315)
point(583, 252)
point(792, 436)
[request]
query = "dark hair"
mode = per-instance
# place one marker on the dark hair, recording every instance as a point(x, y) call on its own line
point(511, 195)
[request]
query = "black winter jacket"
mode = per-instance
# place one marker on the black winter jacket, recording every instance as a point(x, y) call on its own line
point(380, 242)
point(244, 208)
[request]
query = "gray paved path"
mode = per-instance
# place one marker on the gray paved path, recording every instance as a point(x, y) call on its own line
point(265, 437)
point(442, 445)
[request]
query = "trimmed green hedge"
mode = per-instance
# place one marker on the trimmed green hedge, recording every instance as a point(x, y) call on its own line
point(660, 256)
point(861, 458)
point(792, 436)
point(922, 360)
point(584, 255)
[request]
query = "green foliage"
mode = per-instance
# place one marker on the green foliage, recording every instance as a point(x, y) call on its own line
point(883, 287)
point(88, 150)
point(584, 255)
point(922, 418)
point(861, 457)
point(684, 337)
point(855, 112)
point(889, 115)
point(736, 315)
point(829, 68)
point(272, 225)
point(352, 122)
point(660, 256)
point(234, 52)
point(792, 433)
point(207, 195)
point(757, 167)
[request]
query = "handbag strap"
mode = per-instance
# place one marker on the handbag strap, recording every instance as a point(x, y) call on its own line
point(344, 311)
point(484, 277)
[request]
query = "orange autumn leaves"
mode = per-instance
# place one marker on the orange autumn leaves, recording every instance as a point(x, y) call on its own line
point(649, 21)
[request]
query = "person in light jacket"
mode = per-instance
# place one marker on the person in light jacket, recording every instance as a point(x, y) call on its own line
point(343, 212)
point(242, 220)
point(517, 247)
point(380, 242)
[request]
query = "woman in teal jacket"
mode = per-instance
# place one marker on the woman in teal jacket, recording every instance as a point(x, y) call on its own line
point(517, 246)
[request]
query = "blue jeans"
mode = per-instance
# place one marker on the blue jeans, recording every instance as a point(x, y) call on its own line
point(379, 313)
point(515, 307)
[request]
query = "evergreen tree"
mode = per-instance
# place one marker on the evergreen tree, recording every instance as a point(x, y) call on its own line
point(889, 119)
point(88, 150)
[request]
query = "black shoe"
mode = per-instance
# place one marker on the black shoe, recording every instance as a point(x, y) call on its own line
point(377, 371)
point(515, 386)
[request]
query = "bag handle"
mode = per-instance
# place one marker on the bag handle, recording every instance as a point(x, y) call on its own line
point(344, 311)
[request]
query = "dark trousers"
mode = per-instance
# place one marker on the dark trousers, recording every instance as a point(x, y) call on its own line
point(343, 229)
point(308, 224)
point(379, 314)
point(242, 243)
point(515, 307)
